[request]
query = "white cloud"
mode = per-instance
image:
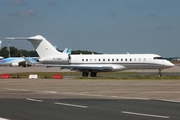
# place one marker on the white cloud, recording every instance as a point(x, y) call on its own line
point(51, 3)
point(24, 13)
point(16, 2)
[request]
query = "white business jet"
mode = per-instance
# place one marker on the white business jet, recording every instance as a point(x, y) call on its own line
point(94, 63)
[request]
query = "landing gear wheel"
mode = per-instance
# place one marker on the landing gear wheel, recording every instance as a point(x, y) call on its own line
point(159, 74)
point(85, 74)
point(93, 74)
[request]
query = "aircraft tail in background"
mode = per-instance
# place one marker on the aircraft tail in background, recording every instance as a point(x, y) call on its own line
point(67, 51)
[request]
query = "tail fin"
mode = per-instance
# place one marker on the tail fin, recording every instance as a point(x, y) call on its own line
point(67, 51)
point(41, 45)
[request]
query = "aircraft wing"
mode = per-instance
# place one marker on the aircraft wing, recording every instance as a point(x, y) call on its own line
point(95, 67)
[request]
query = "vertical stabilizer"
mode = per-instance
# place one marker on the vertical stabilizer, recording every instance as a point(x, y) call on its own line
point(43, 47)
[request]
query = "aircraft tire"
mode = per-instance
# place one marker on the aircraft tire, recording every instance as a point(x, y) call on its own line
point(85, 74)
point(93, 74)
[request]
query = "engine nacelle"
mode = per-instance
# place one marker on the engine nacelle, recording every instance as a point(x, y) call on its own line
point(15, 64)
point(61, 59)
point(118, 67)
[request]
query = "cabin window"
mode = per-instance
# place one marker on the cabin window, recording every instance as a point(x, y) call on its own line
point(86, 59)
point(103, 59)
point(94, 59)
point(121, 59)
point(125, 59)
point(134, 59)
point(90, 59)
point(130, 59)
point(112, 59)
point(144, 59)
point(117, 59)
point(82, 59)
point(108, 59)
point(139, 59)
point(99, 59)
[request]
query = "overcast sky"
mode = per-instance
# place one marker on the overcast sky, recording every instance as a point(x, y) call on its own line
point(105, 26)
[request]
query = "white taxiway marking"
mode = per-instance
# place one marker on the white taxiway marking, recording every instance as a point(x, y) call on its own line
point(166, 100)
point(17, 89)
point(3, 119)
point(98, 95)
point(48, 91)
point(72, 105)
point(147, 115)
point(30, 99)
point(114, 96)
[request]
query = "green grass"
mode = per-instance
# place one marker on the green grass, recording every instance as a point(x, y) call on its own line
point(42, 74)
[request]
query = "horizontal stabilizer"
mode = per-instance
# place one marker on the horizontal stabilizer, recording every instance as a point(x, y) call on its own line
point(37, 37)
point(16, 38)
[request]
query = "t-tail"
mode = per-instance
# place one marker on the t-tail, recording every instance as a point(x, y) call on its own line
point(41, 45)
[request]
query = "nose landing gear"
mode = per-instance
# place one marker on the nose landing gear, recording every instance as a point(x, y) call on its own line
point(159, 73)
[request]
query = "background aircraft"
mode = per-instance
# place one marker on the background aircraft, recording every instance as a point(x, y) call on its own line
point(16, 61)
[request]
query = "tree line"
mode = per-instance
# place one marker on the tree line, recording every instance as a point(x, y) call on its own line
point(14, 52)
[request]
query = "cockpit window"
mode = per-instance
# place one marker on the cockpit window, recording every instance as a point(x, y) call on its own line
point(158, 58)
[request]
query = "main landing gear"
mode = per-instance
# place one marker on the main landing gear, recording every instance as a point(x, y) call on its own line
point(92, 74)
point(159, 73)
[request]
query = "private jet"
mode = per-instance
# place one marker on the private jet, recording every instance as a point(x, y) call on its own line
point(94, 63)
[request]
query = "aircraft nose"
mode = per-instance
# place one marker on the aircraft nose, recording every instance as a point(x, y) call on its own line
point(169, 64)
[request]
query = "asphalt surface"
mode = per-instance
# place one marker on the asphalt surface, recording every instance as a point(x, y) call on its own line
point(87, 109)
point(24, 99)
point(71, 99)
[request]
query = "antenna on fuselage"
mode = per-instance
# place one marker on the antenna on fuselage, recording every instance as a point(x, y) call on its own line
point(0, 43)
